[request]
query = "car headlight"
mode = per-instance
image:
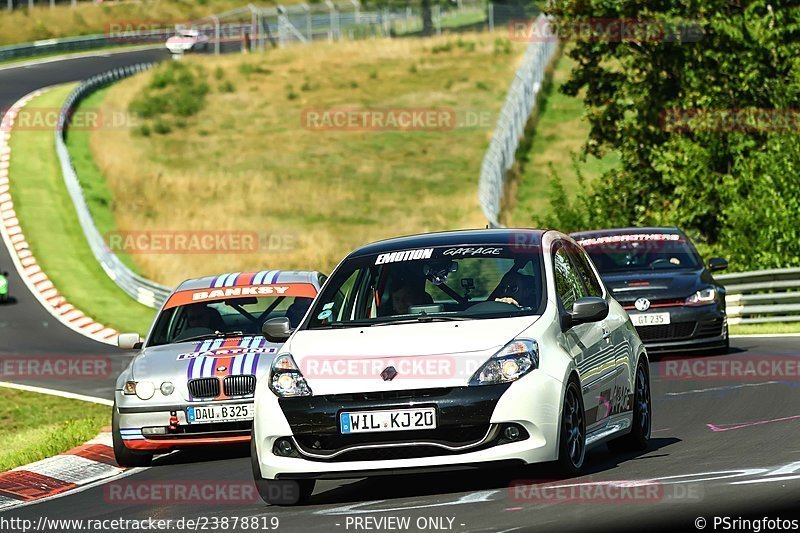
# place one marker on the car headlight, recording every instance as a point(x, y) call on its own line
point(144, 390)
point(703, 296)
point(513, 361)
point(286, 380)
point(167, 388)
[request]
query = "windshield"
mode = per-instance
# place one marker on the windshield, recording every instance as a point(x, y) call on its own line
point(443, 283)
point(230, 316)
point(625, 253)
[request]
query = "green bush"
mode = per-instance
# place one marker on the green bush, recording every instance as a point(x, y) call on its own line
point(175, 89)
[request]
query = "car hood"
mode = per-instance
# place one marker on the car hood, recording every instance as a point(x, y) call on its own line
point(183, 361)
point(424, 355)
point(654, 285)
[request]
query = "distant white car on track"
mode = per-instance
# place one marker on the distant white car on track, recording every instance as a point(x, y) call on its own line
point(450, 350)
point(187, 40)
point(193, 380)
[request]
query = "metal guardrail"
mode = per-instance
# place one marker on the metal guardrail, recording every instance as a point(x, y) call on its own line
point(762, 296)
point(519, 104)
point(78, 44)
point(142, 289)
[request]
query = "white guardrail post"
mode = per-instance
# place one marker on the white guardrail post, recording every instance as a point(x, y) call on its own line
point(519, 104)
point(142, 289)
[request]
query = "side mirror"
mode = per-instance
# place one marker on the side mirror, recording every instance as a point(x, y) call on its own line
point(717, 263)
point(587, 309)
point(277, 329)
point(129, 341)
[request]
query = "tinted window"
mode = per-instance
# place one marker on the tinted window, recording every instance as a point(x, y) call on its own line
point(225, 317)
point(581, 261)
point(632, 252)
point(568, 281)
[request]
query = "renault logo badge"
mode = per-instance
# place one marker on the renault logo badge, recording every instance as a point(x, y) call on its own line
point(388, 373)
point(642, 304)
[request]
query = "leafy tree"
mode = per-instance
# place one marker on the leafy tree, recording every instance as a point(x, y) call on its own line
point(736, 188)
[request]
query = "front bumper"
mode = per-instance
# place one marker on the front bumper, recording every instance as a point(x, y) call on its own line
point(700, 327)
point(134, 421)
point(469, 433)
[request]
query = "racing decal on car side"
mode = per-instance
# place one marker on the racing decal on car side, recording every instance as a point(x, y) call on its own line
point(406, 255)
point(467, 251)
point(185, 297)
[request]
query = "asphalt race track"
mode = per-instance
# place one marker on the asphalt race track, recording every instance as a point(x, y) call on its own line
point(726, 446)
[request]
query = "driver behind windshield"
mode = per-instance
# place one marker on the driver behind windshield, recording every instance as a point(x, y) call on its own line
point(516, 289)
point(202, 316)
point(408, 289)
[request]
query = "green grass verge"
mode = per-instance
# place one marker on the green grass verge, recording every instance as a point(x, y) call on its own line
point(95, 187)
point(560, 133)
point(765, 329)
point(34, 426)
point(51, 227)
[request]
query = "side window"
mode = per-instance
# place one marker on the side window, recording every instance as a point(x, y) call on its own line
point(568, 281)
point(589, 279)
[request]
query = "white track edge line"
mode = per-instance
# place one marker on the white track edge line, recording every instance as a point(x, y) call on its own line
point(54, 392)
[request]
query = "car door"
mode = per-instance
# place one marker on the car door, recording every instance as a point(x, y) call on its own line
point(615, 396)
point(587, 343)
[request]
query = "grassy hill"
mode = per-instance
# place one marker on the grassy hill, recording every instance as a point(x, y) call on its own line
point(229, 143)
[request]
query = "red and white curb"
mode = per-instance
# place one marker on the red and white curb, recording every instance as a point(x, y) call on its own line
point(85, 465)
point(24, 261)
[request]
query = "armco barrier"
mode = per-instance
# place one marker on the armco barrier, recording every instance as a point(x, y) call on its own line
point(76, 44)
point(762, 296)
point(519, 104)
point(142, 289)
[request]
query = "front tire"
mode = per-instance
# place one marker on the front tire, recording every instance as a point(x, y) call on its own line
point(572, 440)
point(639, 437)
point(122, 454)
point(279, 491)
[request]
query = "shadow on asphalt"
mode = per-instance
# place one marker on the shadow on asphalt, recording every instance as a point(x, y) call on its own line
point(598, 460)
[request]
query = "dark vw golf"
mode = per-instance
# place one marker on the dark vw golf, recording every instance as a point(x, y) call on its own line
point(664, 284)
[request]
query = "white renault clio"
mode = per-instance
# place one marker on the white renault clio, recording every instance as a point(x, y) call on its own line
point(453, 350)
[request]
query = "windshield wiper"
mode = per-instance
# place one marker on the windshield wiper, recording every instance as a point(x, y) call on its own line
point(424, 319)
point(215, 335)
point(405, 320)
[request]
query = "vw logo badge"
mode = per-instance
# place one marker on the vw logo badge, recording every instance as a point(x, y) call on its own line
point(388, 373)
point(642, 304)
